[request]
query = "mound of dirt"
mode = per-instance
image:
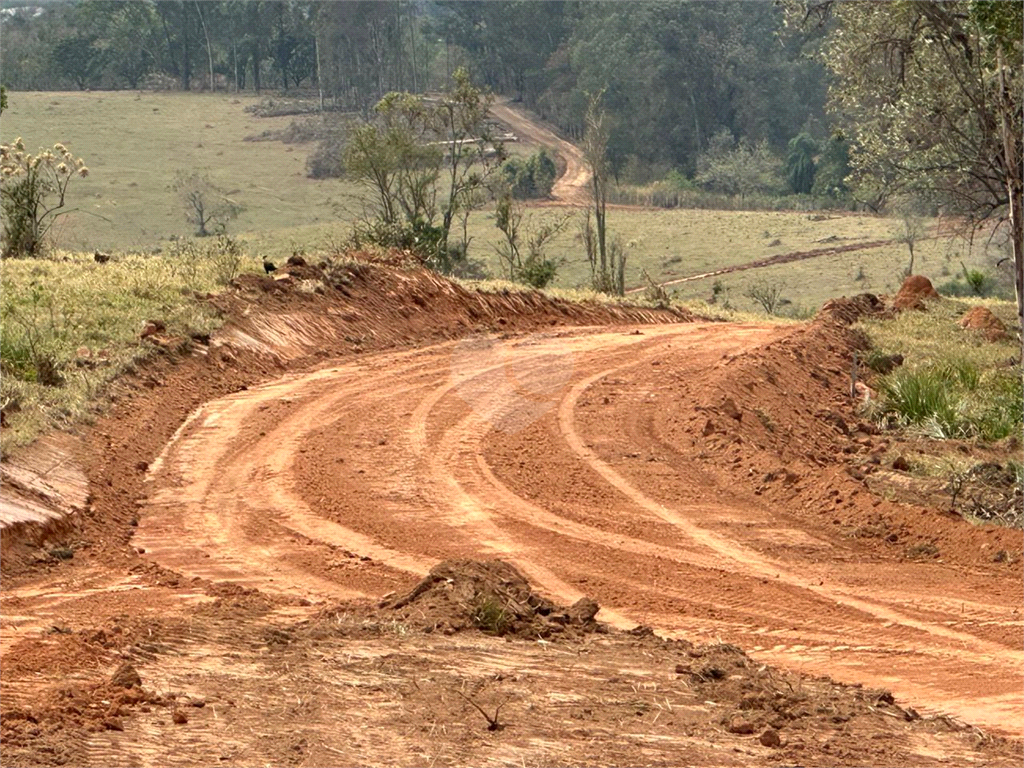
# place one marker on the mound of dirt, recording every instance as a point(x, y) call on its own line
point(490, 596)
point(913, 292)
point(982, 320)
point(848, 311)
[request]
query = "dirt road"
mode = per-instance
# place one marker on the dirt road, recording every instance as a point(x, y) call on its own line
point(565, 454)
point(572, 186)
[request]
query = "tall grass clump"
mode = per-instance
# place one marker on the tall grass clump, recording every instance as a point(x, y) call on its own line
point(921, 397)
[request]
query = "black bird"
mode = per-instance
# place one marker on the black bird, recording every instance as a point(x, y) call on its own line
point(268, 266)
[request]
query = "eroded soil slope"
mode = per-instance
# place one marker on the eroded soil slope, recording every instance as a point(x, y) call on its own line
point(704, 480)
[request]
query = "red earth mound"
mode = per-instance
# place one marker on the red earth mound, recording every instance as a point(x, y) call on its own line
point(982, 320)
point(913, 292)
point(491, 596)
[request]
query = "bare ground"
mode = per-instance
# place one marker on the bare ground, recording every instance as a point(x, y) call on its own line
point(251, 503)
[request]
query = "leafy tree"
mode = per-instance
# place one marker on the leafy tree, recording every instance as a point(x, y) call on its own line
point(427, 160)
point(738, 168)
point(932, 94)
point(833, 168)
point(79, 59)
point(532, 177)
point(800, 166)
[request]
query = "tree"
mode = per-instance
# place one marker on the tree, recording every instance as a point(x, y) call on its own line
point(833, 168)
point(800, 166)
point(738, 168)
point(911, 229)
point(607, 261)
point(932, 94)
point(206, 205)
point(80, 59)
point(426, 160)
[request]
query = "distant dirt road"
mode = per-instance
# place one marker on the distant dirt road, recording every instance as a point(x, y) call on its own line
point(572, 187)
point(563, 454)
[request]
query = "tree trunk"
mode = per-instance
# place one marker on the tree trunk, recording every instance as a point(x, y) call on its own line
point(1015, 195)
point(319, 79)
point(209, 49)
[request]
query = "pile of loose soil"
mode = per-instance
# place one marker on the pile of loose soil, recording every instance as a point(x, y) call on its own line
point(981, 320)
point(847, 311)
point(43, 727)
point(913, 292)
point(490, 596)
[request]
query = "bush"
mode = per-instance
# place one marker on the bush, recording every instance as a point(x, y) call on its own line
point(490, 616)
point(327, 160)
point(921, 397)
point(533, 177)
point(33, 194)
point(954, 399)
point(768, 295)
point(537, 272)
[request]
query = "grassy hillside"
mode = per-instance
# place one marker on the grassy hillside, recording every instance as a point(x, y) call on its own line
point(134, 144)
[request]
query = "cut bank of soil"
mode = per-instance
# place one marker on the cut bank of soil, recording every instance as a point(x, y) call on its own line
point(278, 515)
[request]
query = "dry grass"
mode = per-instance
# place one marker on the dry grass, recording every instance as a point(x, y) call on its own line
point(135, 142)
point(71, 325)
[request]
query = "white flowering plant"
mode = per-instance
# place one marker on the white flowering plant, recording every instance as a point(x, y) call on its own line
point(33, 194)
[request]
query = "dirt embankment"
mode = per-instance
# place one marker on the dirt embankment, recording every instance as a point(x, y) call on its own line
point(308, 314)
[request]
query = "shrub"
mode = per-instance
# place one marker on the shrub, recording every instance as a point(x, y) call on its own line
point(537, 271)
point(768, 295)
point(533, 177)
point(954, 399)
point(921, 397)
point(33, 194)
point(327, 160)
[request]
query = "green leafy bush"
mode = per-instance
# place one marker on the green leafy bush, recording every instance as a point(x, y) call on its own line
point(532, 177)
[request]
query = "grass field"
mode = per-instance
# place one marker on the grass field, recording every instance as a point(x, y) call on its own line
point(134, 143)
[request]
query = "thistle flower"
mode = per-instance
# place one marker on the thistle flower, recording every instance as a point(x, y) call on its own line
point(61, 169)
point(59, 147)
point(19, 144)
point(83, 171)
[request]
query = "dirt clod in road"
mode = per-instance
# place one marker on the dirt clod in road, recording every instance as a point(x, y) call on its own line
point(491, 596)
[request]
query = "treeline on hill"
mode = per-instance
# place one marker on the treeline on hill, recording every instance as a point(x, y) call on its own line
point(679, 79)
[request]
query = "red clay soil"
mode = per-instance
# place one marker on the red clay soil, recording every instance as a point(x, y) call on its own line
point(913, 293)
point(291, 534)
point(981, 320)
